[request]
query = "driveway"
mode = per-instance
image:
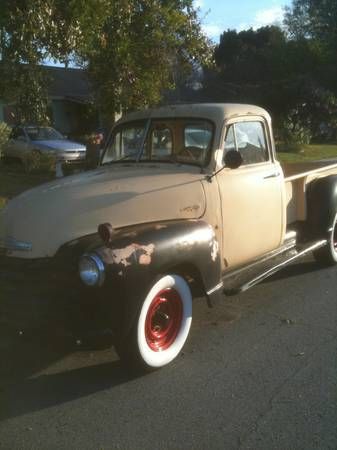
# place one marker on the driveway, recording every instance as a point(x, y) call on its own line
point(259, 372)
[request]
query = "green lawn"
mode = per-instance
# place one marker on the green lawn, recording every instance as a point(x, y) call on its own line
point(309, 153)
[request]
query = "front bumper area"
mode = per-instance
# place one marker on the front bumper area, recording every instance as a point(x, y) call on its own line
point(71, 157)
point(31, 270)
point(46, 295)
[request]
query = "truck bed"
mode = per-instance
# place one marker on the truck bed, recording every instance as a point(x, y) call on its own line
point(302, 169)
point(297, 177)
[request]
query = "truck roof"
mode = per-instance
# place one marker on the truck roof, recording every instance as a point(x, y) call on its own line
point(213, 111)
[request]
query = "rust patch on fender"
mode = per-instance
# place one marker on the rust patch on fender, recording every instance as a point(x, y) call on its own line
point(131, 254)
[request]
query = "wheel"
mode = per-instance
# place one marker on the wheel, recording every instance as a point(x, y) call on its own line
point(328, 255)
point(162, 325)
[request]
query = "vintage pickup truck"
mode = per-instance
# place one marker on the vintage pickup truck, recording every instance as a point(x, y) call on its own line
point(187, 200)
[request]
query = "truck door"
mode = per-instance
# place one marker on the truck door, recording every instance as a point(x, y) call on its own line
point(252, 195)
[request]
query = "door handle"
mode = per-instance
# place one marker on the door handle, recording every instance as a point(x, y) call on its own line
point(272, 175)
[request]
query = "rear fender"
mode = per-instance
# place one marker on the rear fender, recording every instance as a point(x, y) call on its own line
point(321, 205)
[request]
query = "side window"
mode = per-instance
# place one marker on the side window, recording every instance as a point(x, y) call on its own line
point(161, 143)
point(251, 142)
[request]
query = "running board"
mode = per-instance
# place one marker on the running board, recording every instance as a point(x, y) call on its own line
point(235, 285)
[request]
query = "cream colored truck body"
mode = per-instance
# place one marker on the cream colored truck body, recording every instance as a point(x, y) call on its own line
point(249, 208)
point(143, 235)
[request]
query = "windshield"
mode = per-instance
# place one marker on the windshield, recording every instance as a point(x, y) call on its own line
point(183, 140)
point(43, 134)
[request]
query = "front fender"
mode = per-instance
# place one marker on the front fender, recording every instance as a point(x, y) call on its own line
point(138, 255)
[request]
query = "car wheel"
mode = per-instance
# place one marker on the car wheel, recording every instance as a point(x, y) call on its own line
point(328, 255)
point(162, 325)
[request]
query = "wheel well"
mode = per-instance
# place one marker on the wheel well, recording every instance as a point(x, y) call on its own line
point(192, 275)
point(321, 204)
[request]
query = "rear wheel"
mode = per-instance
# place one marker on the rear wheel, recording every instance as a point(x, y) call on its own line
point(328, 255)
point(162, 325)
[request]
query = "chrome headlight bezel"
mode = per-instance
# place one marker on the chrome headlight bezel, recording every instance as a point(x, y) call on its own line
point(91, 270)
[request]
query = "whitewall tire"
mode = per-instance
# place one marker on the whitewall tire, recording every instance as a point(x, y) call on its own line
point(162, 324)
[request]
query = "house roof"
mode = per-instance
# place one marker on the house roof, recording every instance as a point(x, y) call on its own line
point(68, 83)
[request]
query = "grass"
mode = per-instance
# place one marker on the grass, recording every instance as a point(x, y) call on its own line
point(309, 153)
point(14, 180)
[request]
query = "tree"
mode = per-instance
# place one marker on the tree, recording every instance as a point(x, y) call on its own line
point(287, 76)
point(316, 21)
point(313, 19)
point(140, 45)
point(128, 47)
point(251, 56)
point(31, 32)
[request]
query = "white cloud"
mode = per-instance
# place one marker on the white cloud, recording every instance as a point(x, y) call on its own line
point(268, 16)
point(243, 26)
point(262, 18)
point(213, 31)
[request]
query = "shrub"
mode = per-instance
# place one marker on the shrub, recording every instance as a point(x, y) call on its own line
point(5, 131)
point(295, 131)
point(297, 134)
point(39, 162)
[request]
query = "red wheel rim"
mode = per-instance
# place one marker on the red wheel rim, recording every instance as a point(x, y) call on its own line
point(163, 320)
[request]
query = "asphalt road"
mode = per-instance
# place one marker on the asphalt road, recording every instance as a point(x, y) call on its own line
point(259, 372)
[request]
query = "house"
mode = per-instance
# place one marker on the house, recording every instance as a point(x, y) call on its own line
point(71, 109)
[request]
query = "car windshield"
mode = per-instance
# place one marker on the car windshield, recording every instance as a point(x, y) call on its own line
point(43, 134)
point(186, 141)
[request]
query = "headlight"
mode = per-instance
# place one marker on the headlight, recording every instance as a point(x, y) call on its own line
point(92, 271)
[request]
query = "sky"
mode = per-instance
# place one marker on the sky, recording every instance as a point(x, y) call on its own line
point(220, 15)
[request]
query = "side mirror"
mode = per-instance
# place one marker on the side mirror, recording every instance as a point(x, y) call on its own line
point(233, 159)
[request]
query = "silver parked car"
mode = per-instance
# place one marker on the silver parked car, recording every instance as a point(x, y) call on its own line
point(43, 140)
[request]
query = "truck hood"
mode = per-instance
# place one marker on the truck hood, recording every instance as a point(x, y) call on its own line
point(46, 217)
